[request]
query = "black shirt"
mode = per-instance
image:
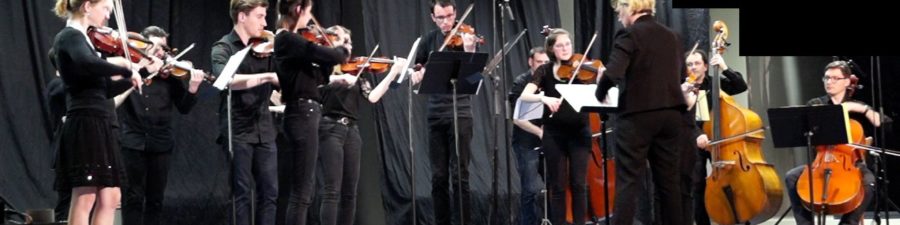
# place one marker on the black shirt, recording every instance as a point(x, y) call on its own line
point(521, 136)
point(303, 66)
point(251, 121)
point(147, 116)
point(441, 105)
point(565, 116)
point(341, 100)
point(85, 74)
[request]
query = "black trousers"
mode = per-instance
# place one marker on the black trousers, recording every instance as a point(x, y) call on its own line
point(301, 124)
point(255, 163)
point(443, 159)
point(698, 188)
point(568, 151)
point(143, 196)
point(804, 216)
point(339, 151)
point(652, 136)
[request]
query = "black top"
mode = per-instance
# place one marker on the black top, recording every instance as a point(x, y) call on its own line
point(339, 100)
point(147, 116)
point(251, 121)
point(303, 66)
point(441, 105)
point(85, 74)
point(565, 117)
point(647, 64)
point(521, 136)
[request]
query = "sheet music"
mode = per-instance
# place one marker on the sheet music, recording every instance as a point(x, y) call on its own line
point(528, 110)
point(412, 61)
point(581, 95)
point(231, 67)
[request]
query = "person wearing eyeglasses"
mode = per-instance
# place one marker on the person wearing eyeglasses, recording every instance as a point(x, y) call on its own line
point(839, 86)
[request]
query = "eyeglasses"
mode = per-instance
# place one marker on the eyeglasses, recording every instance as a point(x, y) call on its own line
point(827, 78)
point(444, 18)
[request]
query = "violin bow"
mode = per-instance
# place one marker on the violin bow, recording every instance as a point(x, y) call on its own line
point(322, 32)
point(123, 32)
point(173, 59)
point(368, 59)
point(586, 51)
point(456, 27)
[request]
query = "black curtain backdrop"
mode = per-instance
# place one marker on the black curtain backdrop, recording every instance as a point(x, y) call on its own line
point(199, 181)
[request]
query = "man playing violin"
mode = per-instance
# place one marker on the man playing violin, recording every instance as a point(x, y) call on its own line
point(440, 120)
point(651, 108)
point(252, 129)
point(147, 134)
point(839, 86)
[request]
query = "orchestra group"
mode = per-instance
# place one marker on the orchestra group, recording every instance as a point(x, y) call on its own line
point(117, 106)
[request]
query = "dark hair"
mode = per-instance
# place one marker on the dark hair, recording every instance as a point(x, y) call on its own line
point(844, 67)
point(154, 31)
point(551, 40)
point(286, 10)
point(442, 3)
point(698, 51)
point(536, 50)
point(245, 6)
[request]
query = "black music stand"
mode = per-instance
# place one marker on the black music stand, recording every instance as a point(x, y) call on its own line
point(454, 73)
point(604, 112)
point(807, 126)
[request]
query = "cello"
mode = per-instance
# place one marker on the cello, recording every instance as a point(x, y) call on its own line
point(742, 187)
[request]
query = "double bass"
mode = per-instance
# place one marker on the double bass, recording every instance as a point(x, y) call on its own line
point(742, 186)
point(596, 179)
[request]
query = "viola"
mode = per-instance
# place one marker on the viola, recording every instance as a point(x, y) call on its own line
point(587, 73)
point(374, 65)
point(456, 40)
point(107, 40)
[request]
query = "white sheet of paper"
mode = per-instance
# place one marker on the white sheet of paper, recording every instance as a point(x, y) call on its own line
point(231, 67)
point(581, 95)
point(412, 61)
point(528, 110)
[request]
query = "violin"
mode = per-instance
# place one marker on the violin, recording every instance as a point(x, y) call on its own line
point(456, 40)
point(374, 65)
point(262, 46)
point(107, 40)
point(587, 73)
point(182, 70)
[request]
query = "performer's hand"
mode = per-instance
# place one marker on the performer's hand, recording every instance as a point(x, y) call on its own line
point(719, 61)
point(417, 76)
point(702, 141)
point(551, 102)
point(400, 65)
point(154, 65)
point(196, 79)
point(137, 81)
point(469, 42)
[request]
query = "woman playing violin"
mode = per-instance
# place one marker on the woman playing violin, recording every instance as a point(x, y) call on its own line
point(566, 139)
point(339, 140)
point(839, 86)
point(88, 162)
point(302, 66)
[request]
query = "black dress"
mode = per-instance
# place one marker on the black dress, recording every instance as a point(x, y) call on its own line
point(89, 151)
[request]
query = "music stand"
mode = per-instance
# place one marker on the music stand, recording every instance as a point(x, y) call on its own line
point(454, 73)
point(575, 94)
point(817, 125)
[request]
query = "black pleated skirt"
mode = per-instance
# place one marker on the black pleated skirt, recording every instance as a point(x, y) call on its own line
point(88, 153)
